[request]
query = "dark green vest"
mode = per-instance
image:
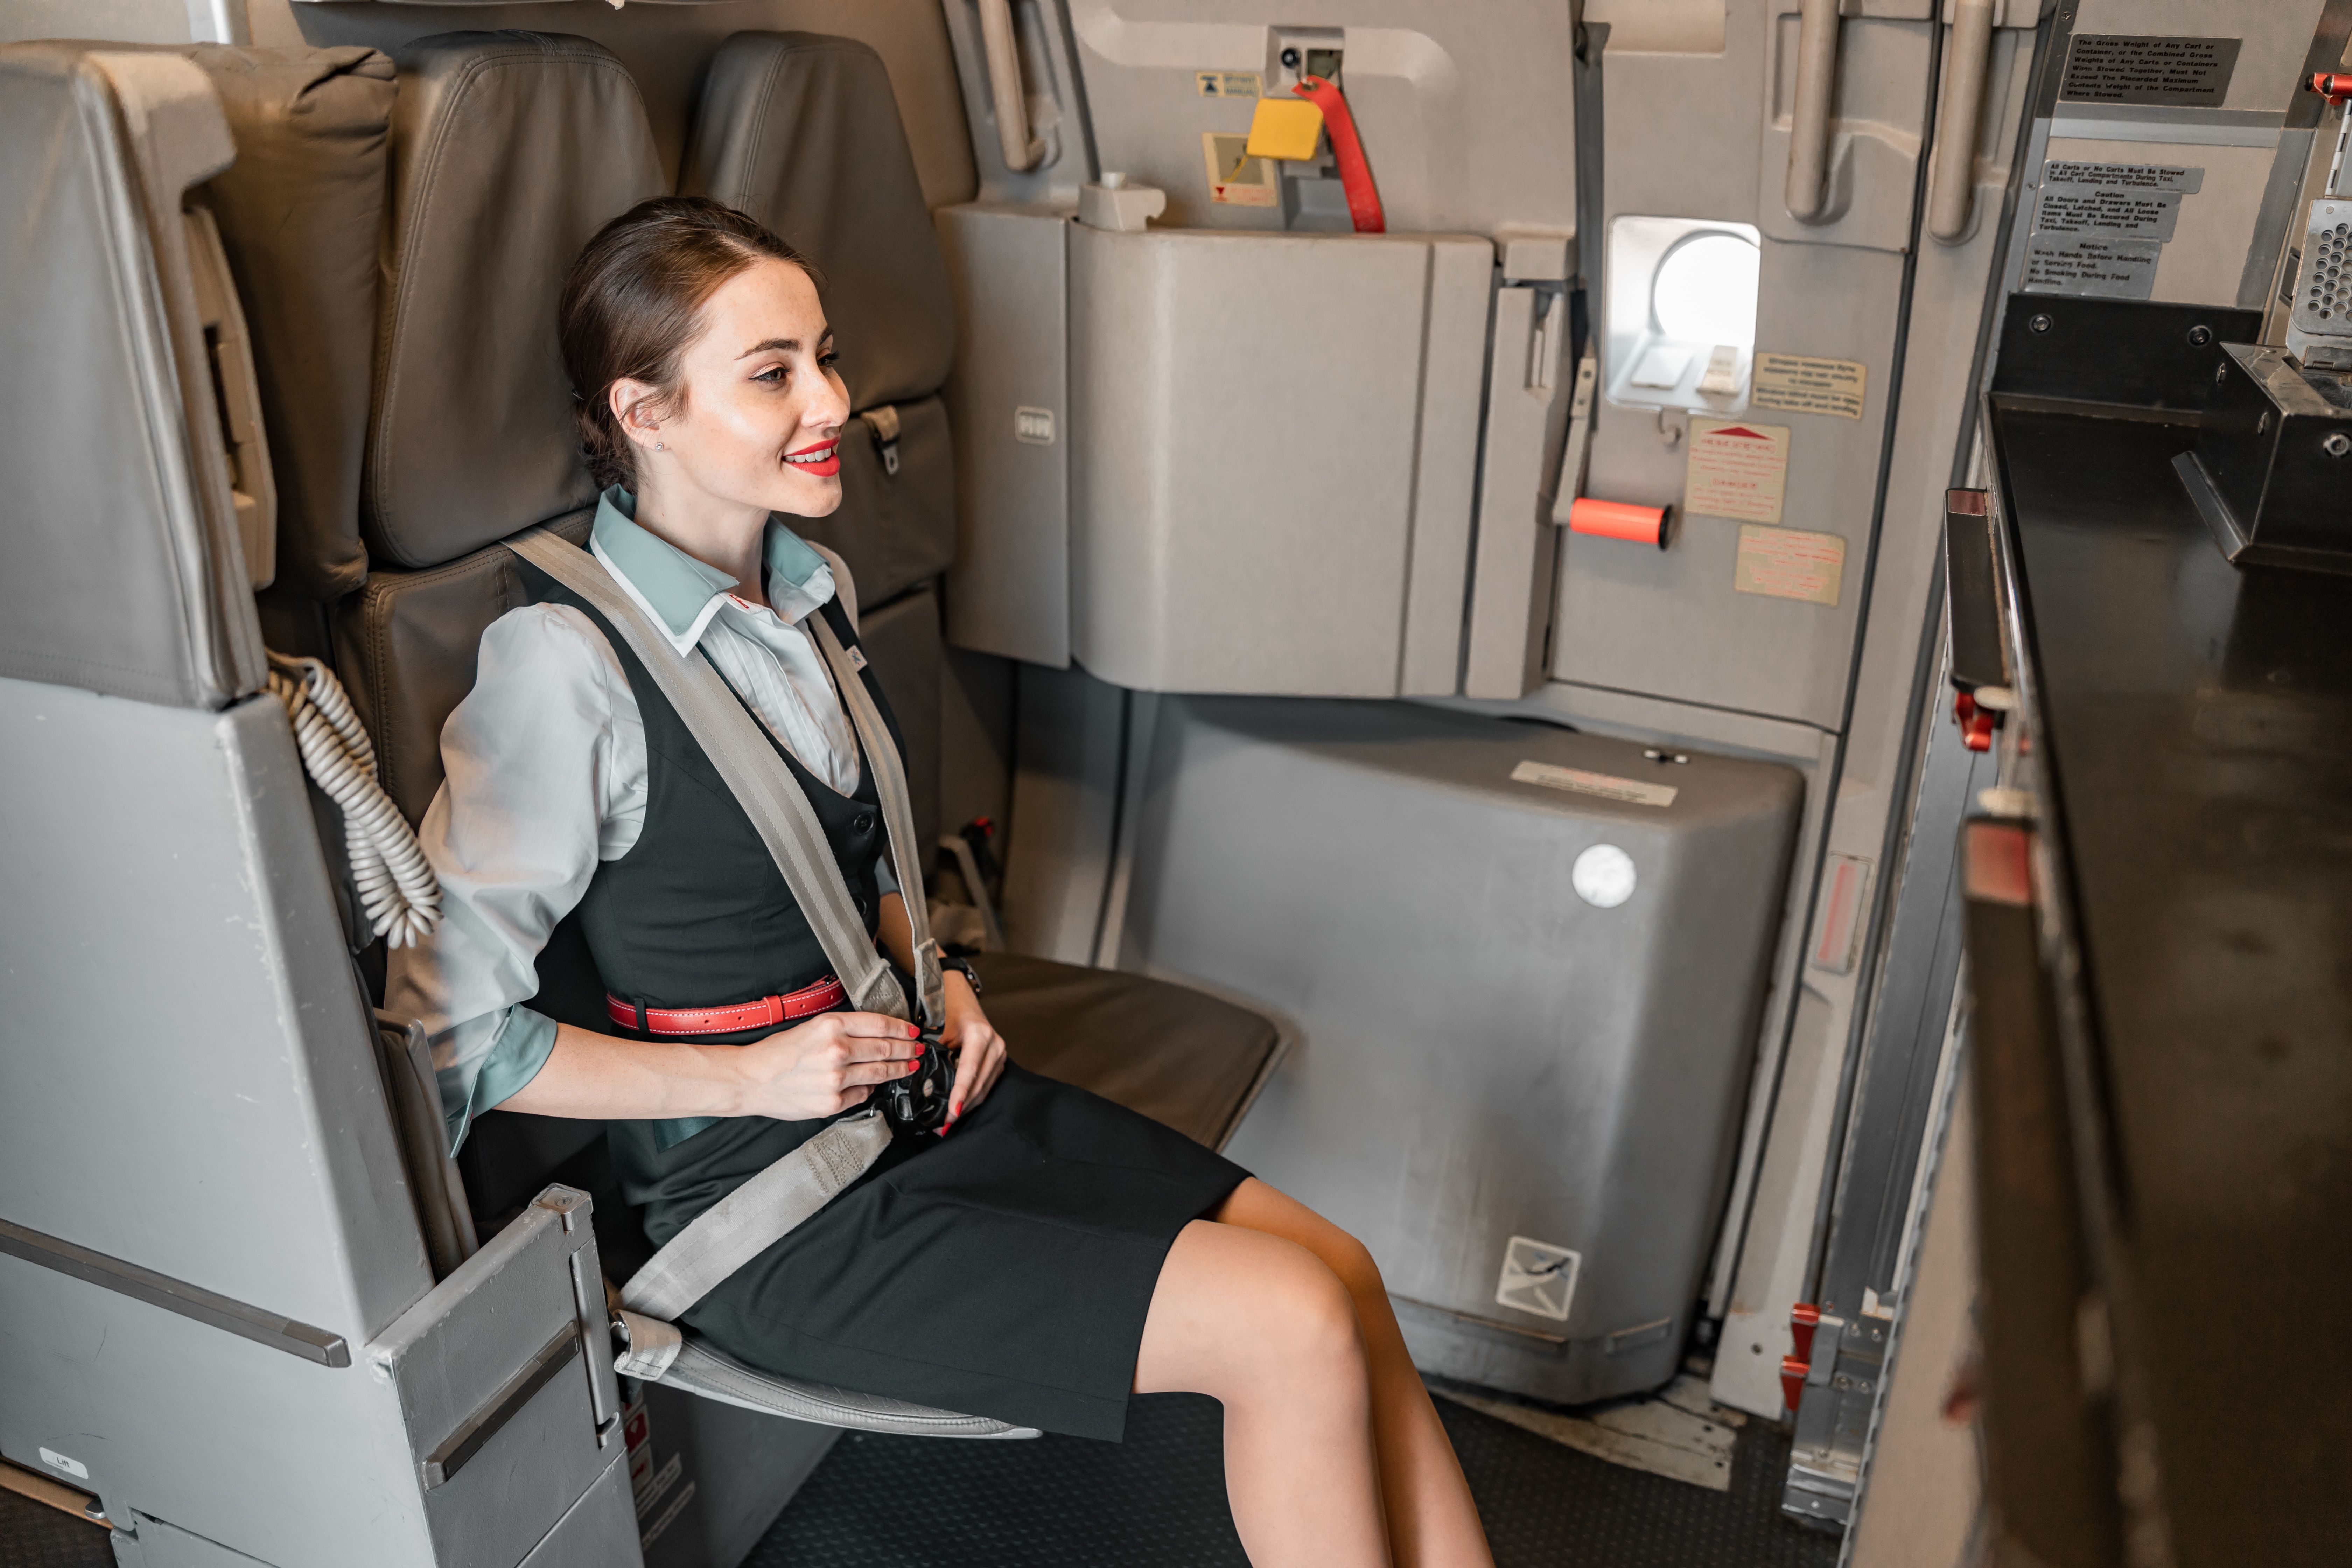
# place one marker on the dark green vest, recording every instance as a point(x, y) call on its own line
point(696, 915)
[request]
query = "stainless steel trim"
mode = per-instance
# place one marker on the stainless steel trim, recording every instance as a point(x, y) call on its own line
point(205, 1306)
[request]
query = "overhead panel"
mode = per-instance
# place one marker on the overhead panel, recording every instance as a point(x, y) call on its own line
point(1314, 319)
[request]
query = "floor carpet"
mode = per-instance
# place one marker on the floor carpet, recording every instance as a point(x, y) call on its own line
point(1157, 1500)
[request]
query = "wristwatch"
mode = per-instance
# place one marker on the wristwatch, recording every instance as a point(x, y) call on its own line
point(961, 966)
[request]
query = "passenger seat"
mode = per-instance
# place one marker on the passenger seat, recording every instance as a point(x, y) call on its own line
point(508, 151)
point(803, 133)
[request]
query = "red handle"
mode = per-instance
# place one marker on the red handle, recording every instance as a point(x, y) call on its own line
point(1355, 174)
point(1793, 1381)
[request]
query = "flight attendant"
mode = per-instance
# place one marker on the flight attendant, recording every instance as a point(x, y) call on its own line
point(1049, 1253)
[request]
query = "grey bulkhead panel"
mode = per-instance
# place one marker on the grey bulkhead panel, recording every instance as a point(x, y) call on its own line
point(1489, 1052)
point(1008, 398)
point(1465, 110)
point(1264, 496)
point(1233, 396)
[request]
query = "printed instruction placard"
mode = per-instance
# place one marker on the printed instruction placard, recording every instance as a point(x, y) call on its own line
point(2133, 67)
point(2101, 268)
point(1789, 564)
point(1800, 384)
point(1608, 786)
point(2114, 201)
point(1736, 469)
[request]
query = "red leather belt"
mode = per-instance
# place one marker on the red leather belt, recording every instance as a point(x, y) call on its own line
point(806, 1003)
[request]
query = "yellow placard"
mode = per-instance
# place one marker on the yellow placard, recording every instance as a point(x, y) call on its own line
point(1285, 128)
point(1789, 564)
point(1800, 384)
point(1736, 469)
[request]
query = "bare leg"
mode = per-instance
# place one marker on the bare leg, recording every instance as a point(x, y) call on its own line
point(1431, 1521)
point(1260, 1324)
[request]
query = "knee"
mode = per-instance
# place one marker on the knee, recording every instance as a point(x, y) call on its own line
point(1351, 1261)
point(1309, 1318)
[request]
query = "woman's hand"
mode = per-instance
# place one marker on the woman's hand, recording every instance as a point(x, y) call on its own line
point(980, 1049)
point(832, 1062)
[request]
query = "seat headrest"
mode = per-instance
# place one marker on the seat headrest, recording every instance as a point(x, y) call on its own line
point(509, 151)
point(802, 131)
point(120, 567)
point(302, 216)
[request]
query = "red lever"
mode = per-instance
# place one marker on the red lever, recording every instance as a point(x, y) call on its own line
point(1976, 723)
point(1355, 174)
point(1793, 1381)
point(2332, 86)
point(1803, 1318)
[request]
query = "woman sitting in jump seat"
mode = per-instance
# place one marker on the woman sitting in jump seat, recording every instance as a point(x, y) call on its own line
point(1047, 1253)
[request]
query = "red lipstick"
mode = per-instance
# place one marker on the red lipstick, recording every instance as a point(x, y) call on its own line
point(822, 460)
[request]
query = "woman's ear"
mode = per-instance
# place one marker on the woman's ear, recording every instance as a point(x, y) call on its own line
point(637, 409)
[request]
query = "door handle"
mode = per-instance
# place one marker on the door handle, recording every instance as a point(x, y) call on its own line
point(1953, 191)
point(997, 44)
point(1809, 142)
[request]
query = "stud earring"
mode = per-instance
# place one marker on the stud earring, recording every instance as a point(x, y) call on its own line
point(659, 447)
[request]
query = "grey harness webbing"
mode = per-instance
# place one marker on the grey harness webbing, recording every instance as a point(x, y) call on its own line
point(747, 761)
point(741, 1225)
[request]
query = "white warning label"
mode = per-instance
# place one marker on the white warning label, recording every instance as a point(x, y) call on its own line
point(1236, 179)
point(2119, 201)
point(1789, 564)
point(1538, 1277)
point(2101, 268)
point(1736, 469)
point(1800, 384)
point(1606, 786)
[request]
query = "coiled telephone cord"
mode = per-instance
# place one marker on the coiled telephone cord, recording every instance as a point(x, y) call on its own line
point(396, 886)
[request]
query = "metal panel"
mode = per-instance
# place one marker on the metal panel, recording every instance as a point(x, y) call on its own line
point(234, 1441)
point(177, 875)
point(162, 1545)
point(1447, 474)
point(735, 1470)
point(600, 1530)
point(1512, 586)
point(1543, 1066)
point(1008, 397)
point(502, 1416)
point(1244, 439)
point(1465, 110)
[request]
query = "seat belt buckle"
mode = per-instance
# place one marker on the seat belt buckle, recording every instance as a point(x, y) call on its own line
point(883, 423)
point(931, 982)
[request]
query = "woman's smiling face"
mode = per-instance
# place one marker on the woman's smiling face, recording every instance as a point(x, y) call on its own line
point(758, 415)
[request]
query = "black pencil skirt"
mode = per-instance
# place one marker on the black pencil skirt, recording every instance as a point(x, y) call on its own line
point(1001, 1270)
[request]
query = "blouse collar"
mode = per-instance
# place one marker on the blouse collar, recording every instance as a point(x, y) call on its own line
point(681, 592)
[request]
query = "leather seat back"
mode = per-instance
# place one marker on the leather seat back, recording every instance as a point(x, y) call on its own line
point(802, 131)
point(509, 151)
point(302, 216)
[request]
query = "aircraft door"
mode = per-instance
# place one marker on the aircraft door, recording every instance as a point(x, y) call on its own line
point(1748, 307)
